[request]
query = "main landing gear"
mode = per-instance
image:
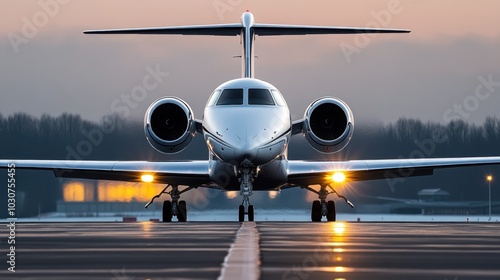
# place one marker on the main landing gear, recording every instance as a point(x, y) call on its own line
point(174, 207)
point(321, 207)
point(246, 187)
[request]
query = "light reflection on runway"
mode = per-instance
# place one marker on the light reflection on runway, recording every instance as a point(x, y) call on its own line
point(380, 251)
point(298, 251)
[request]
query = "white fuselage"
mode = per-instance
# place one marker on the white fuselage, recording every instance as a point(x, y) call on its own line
point(245, 131)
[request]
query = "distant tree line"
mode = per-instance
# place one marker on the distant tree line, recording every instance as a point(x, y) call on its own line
point(68, 136)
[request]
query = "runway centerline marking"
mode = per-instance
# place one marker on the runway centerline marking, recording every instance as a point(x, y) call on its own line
point(243, 258)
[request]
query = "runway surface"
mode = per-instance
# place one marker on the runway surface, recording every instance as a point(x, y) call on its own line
point(271, 250)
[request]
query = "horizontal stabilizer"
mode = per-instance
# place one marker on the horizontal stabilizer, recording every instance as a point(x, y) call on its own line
point(281, 29)
point(236, 29)
point(214, 30)
point(248, 29)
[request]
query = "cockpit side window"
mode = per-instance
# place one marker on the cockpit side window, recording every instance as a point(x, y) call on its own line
point(213, 98)
point(231, 97)
point(257, 96)
point(278, 97)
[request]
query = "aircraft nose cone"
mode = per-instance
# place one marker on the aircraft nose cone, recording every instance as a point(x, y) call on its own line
point(245, 150)
point(247, 133)
point(255, 147)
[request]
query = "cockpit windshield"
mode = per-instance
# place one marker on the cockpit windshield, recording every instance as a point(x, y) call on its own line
point(240, 96)
point(278, 97)
point(213, 98)
point(259, 97)
point(231, 97)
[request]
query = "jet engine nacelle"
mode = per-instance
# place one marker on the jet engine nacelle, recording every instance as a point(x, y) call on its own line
point(328, 124)
point(169, 125)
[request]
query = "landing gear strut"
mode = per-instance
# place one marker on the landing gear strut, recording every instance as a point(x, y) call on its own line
point(246, 187)
point(321, 207)
point(174, 207)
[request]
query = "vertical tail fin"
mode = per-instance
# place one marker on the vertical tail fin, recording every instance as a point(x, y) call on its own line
point(248, 36)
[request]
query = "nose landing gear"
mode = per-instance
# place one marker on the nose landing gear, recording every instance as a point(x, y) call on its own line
point(246, 187)
point(249, 212)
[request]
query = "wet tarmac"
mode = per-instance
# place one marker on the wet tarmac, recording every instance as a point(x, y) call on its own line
point(271, 250)
point(380, 251)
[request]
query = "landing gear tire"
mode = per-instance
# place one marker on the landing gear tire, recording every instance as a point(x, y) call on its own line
point(316, 211)
point(241, 213)
point(331, 216)
point(167, 211)
point(182, 211)
point(250, 213)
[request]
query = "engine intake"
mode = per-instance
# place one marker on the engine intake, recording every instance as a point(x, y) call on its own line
point(328, 124)
point(169, 125)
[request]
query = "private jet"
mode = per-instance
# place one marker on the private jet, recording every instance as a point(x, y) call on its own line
point(247, 128)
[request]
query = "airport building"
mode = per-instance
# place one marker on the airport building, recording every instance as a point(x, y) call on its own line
point(436, 202)
point(89, 197)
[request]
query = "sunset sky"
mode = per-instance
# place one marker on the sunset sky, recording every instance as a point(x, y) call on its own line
point(438, 72)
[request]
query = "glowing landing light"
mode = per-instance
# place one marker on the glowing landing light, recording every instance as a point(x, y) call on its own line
point(231, 194)
point(489, 178)
point(338, 177)
point(273, 194)
point(147, 178)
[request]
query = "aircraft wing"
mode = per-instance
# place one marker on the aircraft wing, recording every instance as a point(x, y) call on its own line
point(304, 173)
point(189, 173)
